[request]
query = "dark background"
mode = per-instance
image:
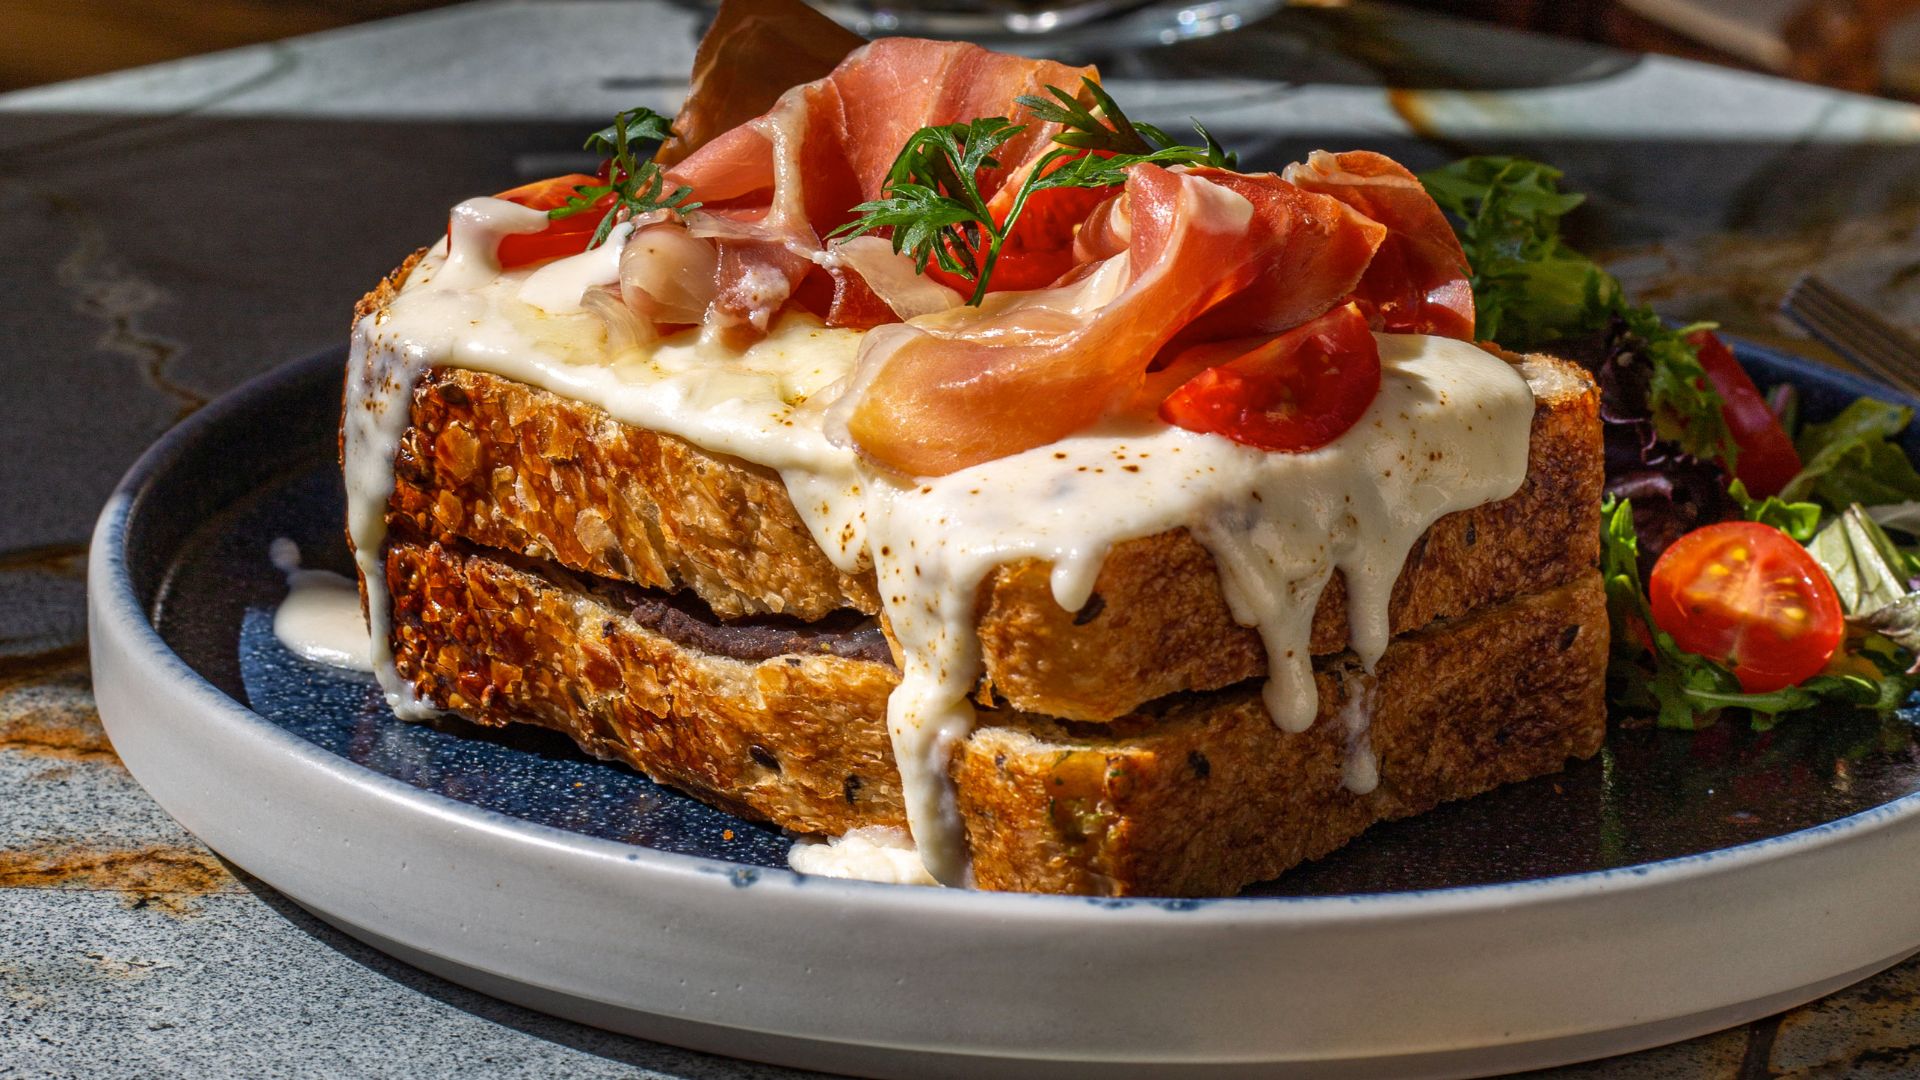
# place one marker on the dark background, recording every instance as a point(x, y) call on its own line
point(1834, 42)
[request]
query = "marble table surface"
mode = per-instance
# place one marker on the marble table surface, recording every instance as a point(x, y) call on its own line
point(171, 230)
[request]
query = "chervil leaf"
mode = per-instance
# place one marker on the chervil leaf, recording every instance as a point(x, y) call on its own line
point(1113, 133)
point(638, 187)
point(931, 199)
point(633, 126)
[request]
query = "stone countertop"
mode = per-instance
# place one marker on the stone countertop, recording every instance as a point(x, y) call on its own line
point(174, 229)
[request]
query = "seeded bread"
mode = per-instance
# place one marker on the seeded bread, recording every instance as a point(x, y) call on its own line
point(514, 468)
point(1198, 794)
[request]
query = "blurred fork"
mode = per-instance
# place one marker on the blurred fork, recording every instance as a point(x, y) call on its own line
point(1855, 332)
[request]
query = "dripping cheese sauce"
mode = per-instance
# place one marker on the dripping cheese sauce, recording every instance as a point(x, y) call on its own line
point(1449, 430)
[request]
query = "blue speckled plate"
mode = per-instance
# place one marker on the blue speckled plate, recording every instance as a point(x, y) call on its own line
point(1659, 872)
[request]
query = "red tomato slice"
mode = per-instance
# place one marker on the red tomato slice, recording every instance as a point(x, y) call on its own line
point(1294, 392)
point(1767, 459)
point(563, 236)
point(1746, 594)
point(1040, 247)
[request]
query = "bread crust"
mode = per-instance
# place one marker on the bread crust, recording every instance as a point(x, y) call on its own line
point(799, 740)
point(512, 467)
point(1205, 795)
point(509, 466)
point(1198, 795)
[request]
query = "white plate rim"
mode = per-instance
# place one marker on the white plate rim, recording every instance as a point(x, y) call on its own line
point(126, 646)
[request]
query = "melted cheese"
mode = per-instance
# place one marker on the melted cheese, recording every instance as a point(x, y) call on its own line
point(1449, 430)
point(869, 853)
point(319, 620)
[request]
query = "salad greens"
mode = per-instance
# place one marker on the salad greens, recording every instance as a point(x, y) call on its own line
point(1684, 690)
point(1531, 289)
point(1866, 569)
point(1853, 459)
point(1670, 458)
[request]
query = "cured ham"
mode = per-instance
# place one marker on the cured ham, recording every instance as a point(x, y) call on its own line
point(777, 185)
point(754, 51)
point(1207, 254)
point(1102, 301)
point(1312, 251)
point(1419, 281)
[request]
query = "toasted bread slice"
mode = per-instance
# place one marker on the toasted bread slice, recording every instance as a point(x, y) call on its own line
point(1199, 794)
point(515, 468)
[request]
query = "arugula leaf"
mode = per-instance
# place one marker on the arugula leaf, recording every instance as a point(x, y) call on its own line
point(1853, 459)
point(1881, 695)
point(1797, 519)
point(1866, 569)
point(638, 187)
point(1531, 289)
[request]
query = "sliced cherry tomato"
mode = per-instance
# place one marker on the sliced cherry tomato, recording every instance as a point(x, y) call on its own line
point(1767, 459)
point(1040, 248)
point(1746, 594)
point(562, 236)
point(1294, 392)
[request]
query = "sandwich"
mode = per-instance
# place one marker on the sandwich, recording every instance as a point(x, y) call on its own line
point(920, 455)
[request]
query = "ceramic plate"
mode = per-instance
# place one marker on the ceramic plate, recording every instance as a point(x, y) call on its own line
point(1673, 885)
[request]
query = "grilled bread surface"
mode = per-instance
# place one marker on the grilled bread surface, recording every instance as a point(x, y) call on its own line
point(1198, 794)
point(512, 467)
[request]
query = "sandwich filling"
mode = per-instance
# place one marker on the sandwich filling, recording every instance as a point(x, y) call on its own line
point(944, 439)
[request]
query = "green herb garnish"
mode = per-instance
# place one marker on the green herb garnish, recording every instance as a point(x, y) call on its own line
point(1797, 519)
point(1111, 132)
point(931, 198)
point(638, 187)
point(1531, 289)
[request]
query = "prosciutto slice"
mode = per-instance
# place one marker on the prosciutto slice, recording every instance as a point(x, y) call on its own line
point(1419, 281)
point(1311, 251)
point(777, 185)
point(751, 54)
point(941, 393)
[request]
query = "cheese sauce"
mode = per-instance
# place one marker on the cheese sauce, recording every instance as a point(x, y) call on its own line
point(319, 620)
point(1449, 430)
point(868, 853)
